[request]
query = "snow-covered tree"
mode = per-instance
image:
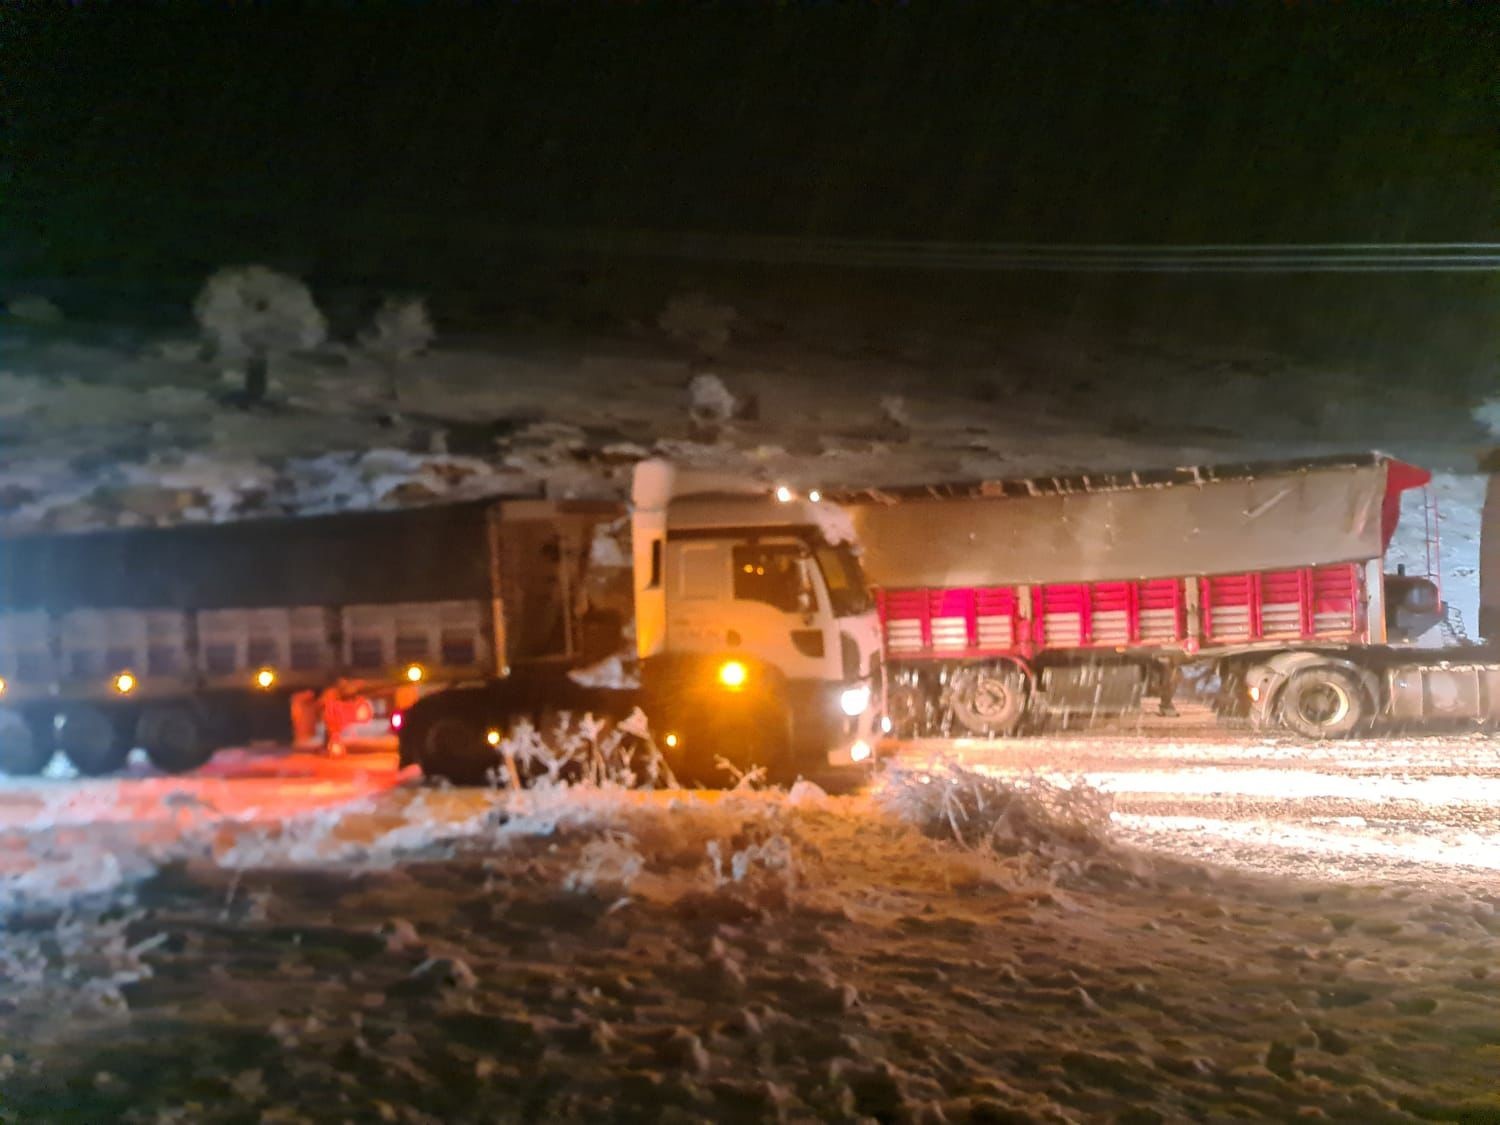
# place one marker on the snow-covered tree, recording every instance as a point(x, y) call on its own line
point(400, 329)
point(710, 402)
point(252, 314)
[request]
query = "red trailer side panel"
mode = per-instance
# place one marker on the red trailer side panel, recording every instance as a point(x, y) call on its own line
point(1307, 604)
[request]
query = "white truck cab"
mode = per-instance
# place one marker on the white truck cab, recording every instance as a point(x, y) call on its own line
point(756, 597)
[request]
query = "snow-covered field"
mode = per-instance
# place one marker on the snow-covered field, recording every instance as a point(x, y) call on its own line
point(305, 940)
point(1422, 811)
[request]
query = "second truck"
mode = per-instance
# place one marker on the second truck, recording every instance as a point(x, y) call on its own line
point(1027, 603)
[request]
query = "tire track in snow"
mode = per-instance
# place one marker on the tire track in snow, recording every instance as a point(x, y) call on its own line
point(1410, 809)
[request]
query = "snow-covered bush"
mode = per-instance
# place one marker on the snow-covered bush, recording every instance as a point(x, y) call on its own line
point(252, 314)
point(400, 329)
point(582, 751)
point(1487, 414)
point(607, 866)
point(710, 402)
point(895, 417)
point(699, 322)
point(1056, 825)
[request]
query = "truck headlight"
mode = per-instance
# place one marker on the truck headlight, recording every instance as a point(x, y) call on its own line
point(733, 674)
point(855, 700)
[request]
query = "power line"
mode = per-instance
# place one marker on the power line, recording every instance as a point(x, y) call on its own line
point(1218, 258)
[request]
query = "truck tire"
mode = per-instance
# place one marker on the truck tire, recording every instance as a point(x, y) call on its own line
point(746, 738)
point(174, 737)
point(906, 708)
point(25, 748)
point(988, 702)
point(1323, 701)
point(92, 740)
point(455, 749)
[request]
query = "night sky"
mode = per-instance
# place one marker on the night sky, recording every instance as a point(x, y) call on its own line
point(164, 141)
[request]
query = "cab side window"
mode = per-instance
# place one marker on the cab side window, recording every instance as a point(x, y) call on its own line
point(770, 574)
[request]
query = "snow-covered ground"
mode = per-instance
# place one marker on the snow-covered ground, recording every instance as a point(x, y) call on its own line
point(1421, 811)
point(431, 955)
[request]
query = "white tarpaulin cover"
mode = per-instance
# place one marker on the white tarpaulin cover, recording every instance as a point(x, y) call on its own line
point(1281, 517)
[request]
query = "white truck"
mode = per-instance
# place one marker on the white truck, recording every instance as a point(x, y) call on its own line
point(755, 638)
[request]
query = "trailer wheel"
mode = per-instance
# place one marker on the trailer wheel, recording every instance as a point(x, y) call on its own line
point(456, 750)
point(92, 741)
point(25, 748)
point(1323, 701)
point(174, 737)
point(906, 707)
point(989, 701)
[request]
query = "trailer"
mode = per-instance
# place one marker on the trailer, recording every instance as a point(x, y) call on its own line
point(753, 635)
point(1008, 603)
point(181, 640)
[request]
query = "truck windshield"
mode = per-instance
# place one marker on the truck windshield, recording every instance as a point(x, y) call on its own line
point(845, 580)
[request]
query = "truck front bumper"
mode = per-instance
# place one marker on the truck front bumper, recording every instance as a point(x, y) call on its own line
point(822, 730)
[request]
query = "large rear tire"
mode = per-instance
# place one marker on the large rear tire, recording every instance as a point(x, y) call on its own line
point(746, 738)
point(1324, 701)
point(92, 740)
point(25, 748)
point(456, 749)
point(174, 737)
point(989, 701)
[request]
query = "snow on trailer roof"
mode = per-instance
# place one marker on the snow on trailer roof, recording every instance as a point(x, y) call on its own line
point(1410, 475)
point(1127, 526)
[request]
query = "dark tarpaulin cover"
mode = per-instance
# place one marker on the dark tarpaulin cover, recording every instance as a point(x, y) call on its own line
point(419, 554)
point(1273, 518)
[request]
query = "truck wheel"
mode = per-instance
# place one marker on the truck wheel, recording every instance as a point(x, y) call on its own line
point(91, 741)
point(1323, 701)
point(988, 701)
point(455, 750)
point(174, 738)
point(906, 707)
point(747, 738)
point(762, 741)
point(25, 749)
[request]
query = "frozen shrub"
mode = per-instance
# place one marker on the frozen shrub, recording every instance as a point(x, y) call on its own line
point(895, 418)
point(400, 329)
point(587, 750)
point(1056, 825)
point(770, 858)
point(1487, 414)
point(893, 410)
point(710, 402)
point(607, 866)
point(252, 314)
point(699, 322)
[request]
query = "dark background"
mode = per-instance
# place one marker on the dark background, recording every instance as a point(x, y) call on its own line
point(411, 145)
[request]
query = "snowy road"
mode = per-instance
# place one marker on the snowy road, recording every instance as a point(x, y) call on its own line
point(65, 837)
point(1415, 810)
point(1423, 809)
